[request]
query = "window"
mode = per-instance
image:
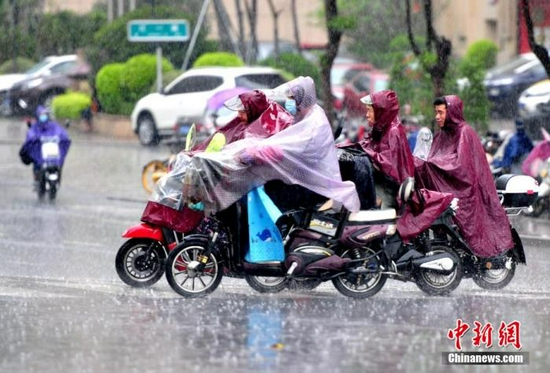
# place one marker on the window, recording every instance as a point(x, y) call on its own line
point(258, 81)
point(63, 67)
point(199, 83)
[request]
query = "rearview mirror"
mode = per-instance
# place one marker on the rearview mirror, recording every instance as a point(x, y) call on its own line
point(191, 138)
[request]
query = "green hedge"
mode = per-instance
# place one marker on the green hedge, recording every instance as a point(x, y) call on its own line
point(218, 59)
point(70, 105)
point(109, 87)
point(120, 85)
point(22, 63)
point(138, 75)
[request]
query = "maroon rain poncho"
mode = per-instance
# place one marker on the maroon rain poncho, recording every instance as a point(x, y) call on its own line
point(457, 164)
point(271, 119)
point(386, 145)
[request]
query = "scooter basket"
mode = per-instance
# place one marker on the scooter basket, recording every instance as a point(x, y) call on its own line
point(183, 221)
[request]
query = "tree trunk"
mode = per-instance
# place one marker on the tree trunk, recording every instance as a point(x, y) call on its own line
point(240, 20)
point(224, 28)
point(334, 37)
point(295, 25)
point(539, 51)
point(252, 12)
point(275, 14)
point(443, 48)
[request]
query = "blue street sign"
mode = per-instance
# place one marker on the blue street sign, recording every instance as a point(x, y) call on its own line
point(158, 30)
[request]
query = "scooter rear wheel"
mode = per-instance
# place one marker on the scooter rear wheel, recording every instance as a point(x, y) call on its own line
point(135, 267)
point(435, 283)
point(192, 282)
point(266, 284)
point(494, 279)
point(361, 285)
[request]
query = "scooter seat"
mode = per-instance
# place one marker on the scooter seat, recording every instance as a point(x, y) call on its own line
point(372, 215)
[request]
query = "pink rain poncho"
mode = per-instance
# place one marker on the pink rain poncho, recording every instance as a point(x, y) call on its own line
point(457, 164)
point(303, 154)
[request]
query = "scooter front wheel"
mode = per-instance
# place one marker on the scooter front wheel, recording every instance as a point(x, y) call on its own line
point(139, 264)
point(363, 285)
point(188, 275)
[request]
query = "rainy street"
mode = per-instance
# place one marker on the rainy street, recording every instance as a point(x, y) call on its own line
point(64, 309)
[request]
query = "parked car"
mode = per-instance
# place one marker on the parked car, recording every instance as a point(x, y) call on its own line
point(30, 79)
point(154, 115)
point(505, 83)
point(343, 71)
point(534, 108)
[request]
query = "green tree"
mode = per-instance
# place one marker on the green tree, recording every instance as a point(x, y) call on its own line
point(65, 32)
point(295, 65)
point(480, 56)
point(376, 24)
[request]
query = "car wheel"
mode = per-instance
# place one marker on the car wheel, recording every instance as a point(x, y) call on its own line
point(147, 130)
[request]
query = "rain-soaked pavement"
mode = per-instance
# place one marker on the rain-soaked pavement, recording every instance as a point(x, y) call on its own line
point(63, 308)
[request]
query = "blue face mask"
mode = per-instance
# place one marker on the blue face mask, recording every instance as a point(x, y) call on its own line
point(43, 118)
point(290, 106)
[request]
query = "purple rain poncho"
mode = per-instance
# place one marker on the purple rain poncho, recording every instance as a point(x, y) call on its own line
point(303, 154)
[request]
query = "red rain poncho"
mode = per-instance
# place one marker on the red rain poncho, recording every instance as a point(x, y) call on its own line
point(387, 145)
point(265, 118)
point(457, 164)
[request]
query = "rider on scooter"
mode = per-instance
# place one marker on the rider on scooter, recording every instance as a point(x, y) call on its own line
point(386, 146)
point(457, 164)
point(43, 126)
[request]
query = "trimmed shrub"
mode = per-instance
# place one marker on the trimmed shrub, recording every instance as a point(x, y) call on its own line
point(139, 73)
point(22, 63)
point(70, 105)
point(219, 59)
point(109, 87)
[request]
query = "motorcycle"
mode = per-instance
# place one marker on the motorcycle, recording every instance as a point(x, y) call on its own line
point(542, 203)
point(356, 251)
point(49, 175)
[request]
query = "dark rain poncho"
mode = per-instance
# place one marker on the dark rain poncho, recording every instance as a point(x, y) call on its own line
point(387, 145)
point(457, 164)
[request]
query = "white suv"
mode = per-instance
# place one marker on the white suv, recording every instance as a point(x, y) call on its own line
point(155, 115)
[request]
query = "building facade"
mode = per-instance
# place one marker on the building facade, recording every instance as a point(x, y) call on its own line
point(461, 21)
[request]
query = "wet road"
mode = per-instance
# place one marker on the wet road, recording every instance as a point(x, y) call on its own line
point(63, 307)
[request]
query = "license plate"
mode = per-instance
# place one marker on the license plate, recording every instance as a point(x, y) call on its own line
point(494, 92)
point(184, 130)
point(50, 150)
